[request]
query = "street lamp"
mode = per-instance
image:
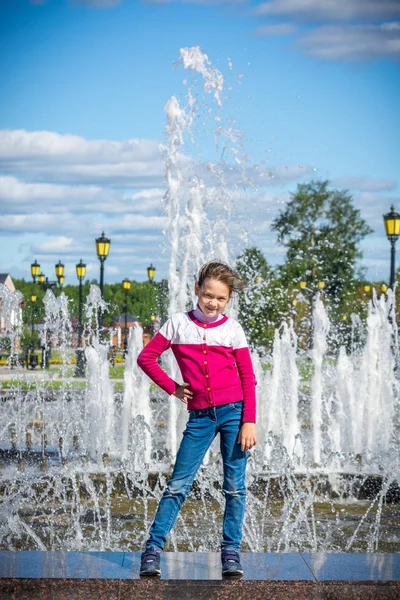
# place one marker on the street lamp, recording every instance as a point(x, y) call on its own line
point(33, 300)
point(151, 271)
point(59, 269)
point(384, 288)
point(61, 280)
point(321, 285)
point(60, 272)
point(392, 227)
point(126, 284)
point(41, 278)
point(102, 249)
point(35, 270)
point(80, 371)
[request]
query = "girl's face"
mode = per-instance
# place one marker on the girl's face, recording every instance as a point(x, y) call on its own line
point(213, 296)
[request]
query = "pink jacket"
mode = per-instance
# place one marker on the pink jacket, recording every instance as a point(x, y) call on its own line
point(213, 358)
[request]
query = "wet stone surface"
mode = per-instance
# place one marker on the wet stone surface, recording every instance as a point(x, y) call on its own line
point(114, 575)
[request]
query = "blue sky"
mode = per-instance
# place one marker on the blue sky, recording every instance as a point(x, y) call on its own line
point(314, 87)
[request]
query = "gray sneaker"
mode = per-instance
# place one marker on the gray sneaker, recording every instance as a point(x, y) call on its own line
point(150, 563)
point(231, 563)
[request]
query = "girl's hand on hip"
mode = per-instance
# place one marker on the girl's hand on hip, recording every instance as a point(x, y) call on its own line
point(183, 393)
point(247, 436)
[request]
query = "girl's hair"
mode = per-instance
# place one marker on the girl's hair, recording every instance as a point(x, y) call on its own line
point(216, 269)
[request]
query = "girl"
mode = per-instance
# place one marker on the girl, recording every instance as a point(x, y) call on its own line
point(219, 390)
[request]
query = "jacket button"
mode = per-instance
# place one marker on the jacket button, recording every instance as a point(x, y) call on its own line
point(205, 362)
point(206, 376)
point(208, 389)
point(204, 351)
point(204, 325)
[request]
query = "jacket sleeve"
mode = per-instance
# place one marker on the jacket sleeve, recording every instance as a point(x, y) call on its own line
point(246, 374)
point(148, 362)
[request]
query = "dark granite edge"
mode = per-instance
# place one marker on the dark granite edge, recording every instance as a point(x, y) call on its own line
point(201, 582)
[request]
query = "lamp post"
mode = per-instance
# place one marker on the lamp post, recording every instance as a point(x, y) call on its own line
point(151, 271)
point(126, 284)
point(35, 270)
point(61, 280)
point(102, 249)
point(80, 371)
point(392, 227)
point(33, 300)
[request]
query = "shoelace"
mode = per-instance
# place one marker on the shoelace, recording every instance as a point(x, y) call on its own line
point(231, 558)
point(146, 557)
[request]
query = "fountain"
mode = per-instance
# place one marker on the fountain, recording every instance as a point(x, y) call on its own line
point(83, 466)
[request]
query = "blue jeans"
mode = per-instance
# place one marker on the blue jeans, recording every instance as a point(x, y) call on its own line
point(201, 428)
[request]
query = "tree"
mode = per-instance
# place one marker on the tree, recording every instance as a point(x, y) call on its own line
point(262, 303)
point(144, 299)
point(321, 230)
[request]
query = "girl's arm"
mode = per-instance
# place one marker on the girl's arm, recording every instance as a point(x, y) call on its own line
point(148, 362)
point(247, 377)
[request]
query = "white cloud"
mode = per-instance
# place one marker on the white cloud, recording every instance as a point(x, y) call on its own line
point(276, 30)
point(52, 157)
point(56, 245)
point(69, 223)
point(330, 10)
point(19, 196)
point(351, 30)
point(352, 42)
point(365, 184)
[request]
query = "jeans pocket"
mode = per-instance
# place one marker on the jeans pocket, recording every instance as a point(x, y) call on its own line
point(237, 406)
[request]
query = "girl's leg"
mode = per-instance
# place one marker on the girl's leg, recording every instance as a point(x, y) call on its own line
point(234, 462)
point(197, 438)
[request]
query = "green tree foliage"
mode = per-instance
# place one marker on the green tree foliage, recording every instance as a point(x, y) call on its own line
point(262, 303)
point(321, 231)
point(143, 299)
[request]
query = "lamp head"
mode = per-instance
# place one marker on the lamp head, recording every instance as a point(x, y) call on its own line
point(126, 284)
point(35, 269)
point(102, 246)
point(151, 271)
point(59, 269)
point(41, 277)
point(33, 298)
point(80, 270)
point(392, 224)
